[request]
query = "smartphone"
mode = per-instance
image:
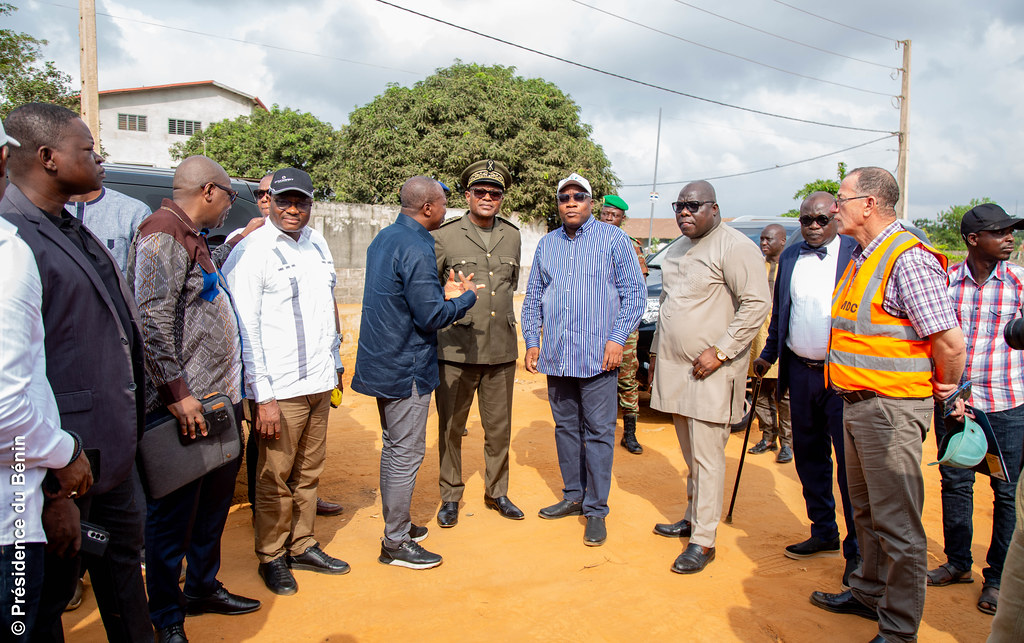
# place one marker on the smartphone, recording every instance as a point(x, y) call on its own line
point(94, 539)
point(949, 404)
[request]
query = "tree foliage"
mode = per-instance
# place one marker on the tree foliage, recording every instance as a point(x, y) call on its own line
point(818, 185)
point(464, 113)
point(257, 143)
point(24, 76)
point(944, 231)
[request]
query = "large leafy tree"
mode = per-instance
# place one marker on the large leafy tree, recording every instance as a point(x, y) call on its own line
point(24, 76)
point(254, 144)
point(818, 185)
point(944, 230)
point(462, 114)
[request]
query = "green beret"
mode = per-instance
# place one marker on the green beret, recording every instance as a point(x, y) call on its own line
point(616, 202)
point(486, 171)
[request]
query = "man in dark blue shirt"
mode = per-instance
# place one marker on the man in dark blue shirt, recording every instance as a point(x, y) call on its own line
point(403, 308)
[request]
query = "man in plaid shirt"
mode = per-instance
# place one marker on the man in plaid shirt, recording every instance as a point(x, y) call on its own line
point(987, 292)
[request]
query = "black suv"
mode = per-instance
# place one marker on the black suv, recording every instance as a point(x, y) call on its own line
point(152, 185)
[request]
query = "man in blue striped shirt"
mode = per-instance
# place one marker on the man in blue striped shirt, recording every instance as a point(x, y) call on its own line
point(584, 297)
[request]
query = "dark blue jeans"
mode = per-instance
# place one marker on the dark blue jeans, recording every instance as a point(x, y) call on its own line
point(958, 499)
point(21, 568)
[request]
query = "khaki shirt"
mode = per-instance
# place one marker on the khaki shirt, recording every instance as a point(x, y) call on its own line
point(487, 334)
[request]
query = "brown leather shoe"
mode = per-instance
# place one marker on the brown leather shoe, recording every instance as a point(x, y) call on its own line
point(327, 508)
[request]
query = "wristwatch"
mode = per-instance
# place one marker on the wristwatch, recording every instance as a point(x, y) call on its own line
point(719, 354)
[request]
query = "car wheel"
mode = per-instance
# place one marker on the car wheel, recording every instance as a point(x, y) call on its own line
point(748, 410)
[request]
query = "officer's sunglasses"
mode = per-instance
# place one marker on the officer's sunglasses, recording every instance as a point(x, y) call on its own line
point(480, 193)
point(821, 219)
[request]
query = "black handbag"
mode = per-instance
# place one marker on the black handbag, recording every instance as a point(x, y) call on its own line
point(170, 460)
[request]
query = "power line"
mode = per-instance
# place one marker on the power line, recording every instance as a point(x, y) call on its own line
point(780, 37)
point(627, 78)
point(835, 22)
point(764, 169)
point(727, 53)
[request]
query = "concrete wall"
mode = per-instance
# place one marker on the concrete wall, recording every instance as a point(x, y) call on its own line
point(350, 227)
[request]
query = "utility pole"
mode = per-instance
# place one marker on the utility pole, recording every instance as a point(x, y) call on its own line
point(90, 98)
point(654, 184)
point(902, 209)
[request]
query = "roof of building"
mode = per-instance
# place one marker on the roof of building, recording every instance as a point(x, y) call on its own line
point(640, 228)
point(254, 99)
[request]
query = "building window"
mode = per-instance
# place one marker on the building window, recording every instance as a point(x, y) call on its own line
point(132, 122)
point(183, 128)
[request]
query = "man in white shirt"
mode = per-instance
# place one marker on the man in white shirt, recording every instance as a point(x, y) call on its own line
point(282, 279)
point(798, 340)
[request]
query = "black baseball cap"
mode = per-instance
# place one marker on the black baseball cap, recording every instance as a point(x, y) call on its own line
point(291, 179)
point(988, 216)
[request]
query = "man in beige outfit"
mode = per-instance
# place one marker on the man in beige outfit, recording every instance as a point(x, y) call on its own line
point(715, 299)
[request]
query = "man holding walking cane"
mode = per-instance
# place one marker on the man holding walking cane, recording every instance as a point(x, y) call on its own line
point(714, 301)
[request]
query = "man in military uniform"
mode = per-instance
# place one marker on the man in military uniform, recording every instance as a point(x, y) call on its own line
point(478, 353)
point(614, 212)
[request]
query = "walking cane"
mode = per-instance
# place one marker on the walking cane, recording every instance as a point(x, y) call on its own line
point(743, 454)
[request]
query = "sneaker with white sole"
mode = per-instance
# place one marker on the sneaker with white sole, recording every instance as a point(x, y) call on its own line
point(409, 554)
point(417, 533)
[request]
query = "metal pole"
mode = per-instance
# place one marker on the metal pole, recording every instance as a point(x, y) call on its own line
point(902, 206)
point(90, 99)
point(654, 184)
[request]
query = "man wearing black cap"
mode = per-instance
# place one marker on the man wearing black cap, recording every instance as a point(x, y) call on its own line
point(477, 354)
point(282, 278)
point(987, 292)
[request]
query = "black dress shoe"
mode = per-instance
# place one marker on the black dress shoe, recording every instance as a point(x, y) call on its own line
point(172, 634)
point(504, 506)
point(679, 529)
point(785, 455)
point(843, 603)
point(851, 566)
point(561, 509)
point(327, 508)
point(813, 546)
point(221, 602)
point(878, 639)
point(448, 515)
point(761, 447)
point(693, 559)
point(315, 560)
point(595, 534)
point(278, 578)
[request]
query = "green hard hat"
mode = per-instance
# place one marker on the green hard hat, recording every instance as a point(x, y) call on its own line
point(964, 449)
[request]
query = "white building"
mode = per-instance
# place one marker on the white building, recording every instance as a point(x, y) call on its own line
point(138, 125)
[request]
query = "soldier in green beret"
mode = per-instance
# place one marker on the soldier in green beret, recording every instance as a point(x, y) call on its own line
point(614, 212)
point(478, 353)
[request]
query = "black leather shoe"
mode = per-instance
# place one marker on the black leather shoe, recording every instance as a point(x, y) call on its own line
point(221, 602)
point(172, 634)
point(629, 435)
point(851, 566)
point(315, 560)
point(327, 508)
point(448, 515)
point(878, 639)
point(843, 603)
point(761, 447)
point(693, 559)
point(595, 534)
point(278, 578)
point(408, 554)
point(417, 533)
point(785, 455)
point(679, 529)
point(812, 547)
point(561, 509)
point(504, 506)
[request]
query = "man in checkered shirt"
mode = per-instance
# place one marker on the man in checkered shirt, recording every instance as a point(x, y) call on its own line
point(987, 292)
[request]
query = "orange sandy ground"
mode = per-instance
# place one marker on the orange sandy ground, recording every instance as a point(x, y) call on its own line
point(535, 580)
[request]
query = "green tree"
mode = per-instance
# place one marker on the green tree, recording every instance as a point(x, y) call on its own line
point(818, 185)
point(254, 144)
point(944, 230)
point(464, 113)
point(24, 76)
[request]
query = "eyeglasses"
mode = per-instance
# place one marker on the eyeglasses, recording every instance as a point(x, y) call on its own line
point(843, 199)
point(232, 194)
point(821, 219)
point(261, 193)
point(689, 206)
point(303, 205)
point(480, 193)
point(578, 197)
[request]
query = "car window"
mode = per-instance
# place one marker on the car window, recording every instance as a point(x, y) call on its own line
point(750, 228)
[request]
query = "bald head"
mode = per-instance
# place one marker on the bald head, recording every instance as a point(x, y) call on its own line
point(424, 200)
point(702, 190)
point(195, 172)
point(773, 240)
point(201, 189)
point(814, 209)
point(695, 223)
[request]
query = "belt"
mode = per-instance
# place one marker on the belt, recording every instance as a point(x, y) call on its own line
point(852, 397)
point(810, 363)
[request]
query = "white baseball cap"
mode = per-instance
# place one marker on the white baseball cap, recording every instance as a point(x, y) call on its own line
point(575, 179)
point(7, 140)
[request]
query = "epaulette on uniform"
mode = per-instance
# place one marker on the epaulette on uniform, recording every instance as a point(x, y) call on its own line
point(452, 220)
point(508, 222)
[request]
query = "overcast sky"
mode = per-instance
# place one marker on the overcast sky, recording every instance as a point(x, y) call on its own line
point(967, 78)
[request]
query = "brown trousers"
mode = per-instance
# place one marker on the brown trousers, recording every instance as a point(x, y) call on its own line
point(287, 476)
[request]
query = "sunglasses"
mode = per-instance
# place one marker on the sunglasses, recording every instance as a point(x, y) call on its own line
point(261, 193)
point(232, 194)
point(303, 205)
point(480, 193)
point(689, 206)
point(821, 219)
point(579, 197)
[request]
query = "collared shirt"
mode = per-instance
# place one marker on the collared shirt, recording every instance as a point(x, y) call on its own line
point(403, 308)
point(284, 293)
point(810, 313)
point(995, 370)
point(114, 218)
point(583, 292)
point(31, 440)
point(916, 289)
